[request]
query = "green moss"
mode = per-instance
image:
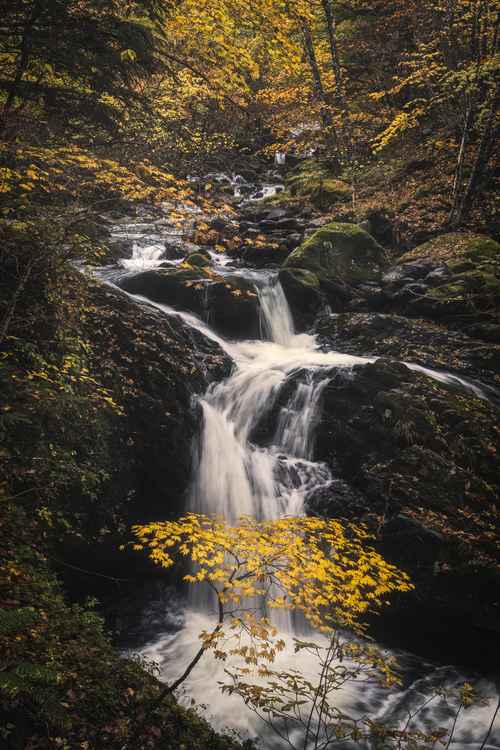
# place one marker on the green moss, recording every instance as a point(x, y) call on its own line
point(199, 258)
point(421, 192)
point(464, 283)
point(327, 192)
point(454, 246)
point(278, 200)
point(342, 253)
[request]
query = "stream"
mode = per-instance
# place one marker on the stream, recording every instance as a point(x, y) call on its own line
point(232, 476)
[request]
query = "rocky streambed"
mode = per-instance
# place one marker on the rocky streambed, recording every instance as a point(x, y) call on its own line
point(411, 438)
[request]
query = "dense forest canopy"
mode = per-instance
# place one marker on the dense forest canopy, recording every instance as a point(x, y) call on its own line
point(154, 80)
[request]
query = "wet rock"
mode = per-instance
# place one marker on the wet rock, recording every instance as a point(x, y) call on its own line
point(173, 252)
point(439, 276)
point(336, 500)
point(246, 225)
point(422, 342)
point(374, 295)
point(231, 230)
point(276, 214)
point(290, 223)
point(249, 175)
point(182, 288)
point(301, 287)
point(406, 292)
point(293, 240)
point(340, 253)
point(233, 307)
point(267, 225)
point(262, 254)
point(422, 456)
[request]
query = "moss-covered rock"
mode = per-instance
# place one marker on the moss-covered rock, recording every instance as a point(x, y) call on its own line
point(200, 258)
point(321, 190)
point(421, 342)
point(424, 452)
point(487, 331)
point(464, 293)
point(340, 253)
point(301, 287)
point(453, 246)
point(328, 192)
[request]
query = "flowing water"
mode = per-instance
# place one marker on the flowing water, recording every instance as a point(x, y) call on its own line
point(233, 476)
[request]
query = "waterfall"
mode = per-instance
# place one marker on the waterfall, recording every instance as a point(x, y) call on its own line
point(254, 456)
point(233, 476)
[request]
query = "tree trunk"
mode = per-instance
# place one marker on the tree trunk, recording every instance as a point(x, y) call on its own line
point(337, 71)
point(481, 174)
point(319, 91)
point(25, 53)
point(11, 307)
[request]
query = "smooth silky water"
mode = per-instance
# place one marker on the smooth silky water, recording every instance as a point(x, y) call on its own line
point(232, 476)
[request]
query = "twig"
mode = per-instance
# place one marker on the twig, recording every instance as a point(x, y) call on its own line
point(73, 567)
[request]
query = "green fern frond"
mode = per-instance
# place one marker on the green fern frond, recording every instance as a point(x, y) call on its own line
point(50, 703)
point(13, 619)
point(12, 682)
point(27, 669)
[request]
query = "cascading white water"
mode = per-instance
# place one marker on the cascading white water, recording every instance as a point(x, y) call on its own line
point(281, 376)
point(233, 476)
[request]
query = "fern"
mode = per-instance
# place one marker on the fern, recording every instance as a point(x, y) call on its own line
point(11, 684)
point(15, 619)
point(13, 672)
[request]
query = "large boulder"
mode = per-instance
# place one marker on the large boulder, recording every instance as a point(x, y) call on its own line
point(416, 461)
point(422, 459)
point(152, 366)
point(342, 254)
point(233, 307)
point(182, 288)
point(230, 303)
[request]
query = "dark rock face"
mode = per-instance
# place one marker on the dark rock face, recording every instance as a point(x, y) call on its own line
point(230, 301)
point(421, 342)
point(233, 307)
point(153, 366)
point(420, 461)
point(300, 286)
